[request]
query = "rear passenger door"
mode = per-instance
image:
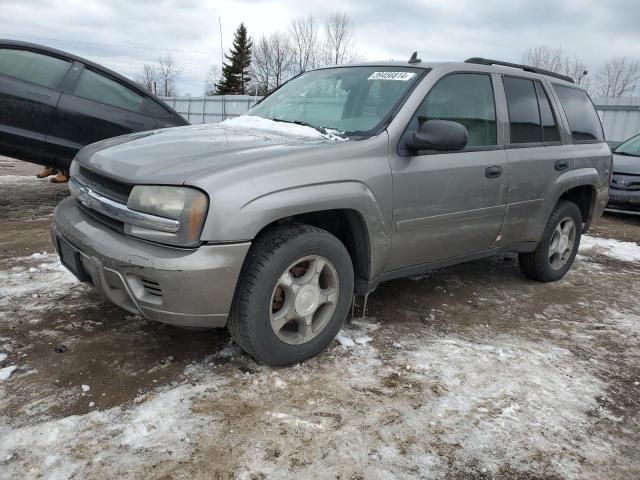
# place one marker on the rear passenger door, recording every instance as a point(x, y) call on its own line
point(536, 156)
point(448, 204)
point(590, 149)
point(29, 93)
point(97, 107)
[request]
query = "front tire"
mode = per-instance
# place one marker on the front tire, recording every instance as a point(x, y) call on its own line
point(293, 294)
point(555, 253)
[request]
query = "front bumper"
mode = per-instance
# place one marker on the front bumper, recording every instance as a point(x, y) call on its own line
point(184, 287)
point(624, 201)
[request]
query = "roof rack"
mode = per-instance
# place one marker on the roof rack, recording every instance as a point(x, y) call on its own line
point(526, 68)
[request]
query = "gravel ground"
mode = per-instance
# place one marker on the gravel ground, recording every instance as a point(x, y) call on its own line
point(466, 372)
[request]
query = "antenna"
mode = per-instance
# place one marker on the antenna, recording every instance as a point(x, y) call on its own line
point(414, 58)
point(221, 49)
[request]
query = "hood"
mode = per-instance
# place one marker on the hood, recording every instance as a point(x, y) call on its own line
point(174, 155)
point(626, 164)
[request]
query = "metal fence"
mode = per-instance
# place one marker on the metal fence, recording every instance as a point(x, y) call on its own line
point(211, 109)
point(620, 116)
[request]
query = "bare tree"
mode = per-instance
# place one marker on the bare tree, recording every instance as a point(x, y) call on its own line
point(211, 80)
point(273, 58)
point(541, 56)
point(556, 60)
point(575, 68)
point(147, 79)
point(617, 77)
point(304, 41)
point(339, 38)
point(167, 74)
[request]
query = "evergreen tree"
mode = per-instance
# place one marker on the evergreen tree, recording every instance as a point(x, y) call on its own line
point(235, 72)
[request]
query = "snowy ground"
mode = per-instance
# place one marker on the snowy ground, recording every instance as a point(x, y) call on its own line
point(467, 372)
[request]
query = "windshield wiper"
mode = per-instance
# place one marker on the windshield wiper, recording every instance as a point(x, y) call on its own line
point(626, 154)
point(304, 124)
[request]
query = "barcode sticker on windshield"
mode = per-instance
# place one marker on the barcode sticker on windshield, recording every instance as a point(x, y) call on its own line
point(398, 76)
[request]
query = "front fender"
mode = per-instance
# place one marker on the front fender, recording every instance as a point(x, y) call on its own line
point(268, 208)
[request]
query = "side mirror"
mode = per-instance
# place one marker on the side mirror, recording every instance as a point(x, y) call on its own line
point(439, 135)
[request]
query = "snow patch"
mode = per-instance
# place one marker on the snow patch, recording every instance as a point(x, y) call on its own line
point(625, 251)
point(251, 122)
point(6, 372)
point(35, 285)
point(345, 341)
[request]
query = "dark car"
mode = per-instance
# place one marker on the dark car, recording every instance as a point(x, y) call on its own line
point(53, 103)
point(624, 191)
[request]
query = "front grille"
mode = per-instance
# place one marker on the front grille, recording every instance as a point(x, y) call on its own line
point(151, 287)
point(108, 221)
point(625, 182)
point(108, 187)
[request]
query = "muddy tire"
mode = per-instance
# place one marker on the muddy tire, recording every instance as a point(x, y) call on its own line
point(293, 294)
point(555, 253)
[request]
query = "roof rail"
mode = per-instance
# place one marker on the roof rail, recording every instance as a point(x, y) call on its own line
point(526, 68)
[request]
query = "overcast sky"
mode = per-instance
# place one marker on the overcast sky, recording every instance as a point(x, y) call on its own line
point(124, 34)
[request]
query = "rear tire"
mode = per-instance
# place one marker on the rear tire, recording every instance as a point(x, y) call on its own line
point(293, 294)
point(555, 253)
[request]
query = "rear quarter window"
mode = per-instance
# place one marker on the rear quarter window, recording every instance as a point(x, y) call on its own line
point(33, 67)
point(582, 116)
point(97, 87)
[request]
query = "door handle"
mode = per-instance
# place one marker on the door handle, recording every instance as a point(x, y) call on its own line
point(562, 164)
point(493, 172)
point(43, 96)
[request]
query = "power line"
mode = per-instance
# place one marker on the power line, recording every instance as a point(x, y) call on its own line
point(97, 44)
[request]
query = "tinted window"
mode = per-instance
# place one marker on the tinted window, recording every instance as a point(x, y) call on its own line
point(583, 119)
point(33, 67)
point(466, 98)
point(524, 117)
point(97, 87)
point(550, 131)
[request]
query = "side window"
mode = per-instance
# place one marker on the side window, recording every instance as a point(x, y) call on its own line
point(33, 67)
point(550, 131)
point(582, 116)
point(524, 117)
point(466, 98)
point(93, 86)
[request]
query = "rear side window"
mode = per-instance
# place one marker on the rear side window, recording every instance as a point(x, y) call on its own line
point(550, 131)
point(524, 117)
point(583, 119)
point(93, 86)
point(33, 67)
point(466, 98)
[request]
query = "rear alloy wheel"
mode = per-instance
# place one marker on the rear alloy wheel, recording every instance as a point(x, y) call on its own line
point(293, 294)
point(555, 253)
point(562, 242)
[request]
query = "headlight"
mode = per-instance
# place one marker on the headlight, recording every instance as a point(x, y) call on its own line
point(186, 205)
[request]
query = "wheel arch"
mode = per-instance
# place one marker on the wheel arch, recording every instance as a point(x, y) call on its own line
point(346, 224)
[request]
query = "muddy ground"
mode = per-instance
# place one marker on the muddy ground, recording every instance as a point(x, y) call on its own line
point(466, 372)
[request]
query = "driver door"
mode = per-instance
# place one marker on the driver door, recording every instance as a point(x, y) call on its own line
point(449, 204)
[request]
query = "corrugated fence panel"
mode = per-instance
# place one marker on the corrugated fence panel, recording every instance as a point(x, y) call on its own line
point(211, 109)
point(620, 116)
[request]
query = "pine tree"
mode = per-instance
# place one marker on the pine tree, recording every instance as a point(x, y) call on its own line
point(235, 73)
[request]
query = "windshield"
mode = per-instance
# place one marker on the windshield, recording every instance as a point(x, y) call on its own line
point(353, 100)
point(630, 147)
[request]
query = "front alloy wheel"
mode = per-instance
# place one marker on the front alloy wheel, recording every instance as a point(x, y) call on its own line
point(304, 299)
point(293, 294)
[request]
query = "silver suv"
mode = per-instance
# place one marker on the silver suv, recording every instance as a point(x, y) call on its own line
point(342, 178)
